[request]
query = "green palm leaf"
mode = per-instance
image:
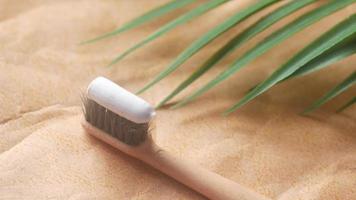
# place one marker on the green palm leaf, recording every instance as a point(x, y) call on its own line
point(344, 85)
point(164, 29)
point(348, 104)
point(208, 37)
point(149, 16)
point(237, 41)
point(336, 35)
point(271, 41)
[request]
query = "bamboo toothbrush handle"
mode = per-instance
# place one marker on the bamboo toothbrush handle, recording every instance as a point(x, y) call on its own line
point(202, 180)
point(209, 184)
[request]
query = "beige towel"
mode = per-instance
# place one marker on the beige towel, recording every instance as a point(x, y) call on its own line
point(265, 145)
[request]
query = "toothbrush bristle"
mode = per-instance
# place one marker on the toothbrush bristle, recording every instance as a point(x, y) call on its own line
point(113, 124)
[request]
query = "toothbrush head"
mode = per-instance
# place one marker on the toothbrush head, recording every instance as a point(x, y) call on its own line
point(117, 112)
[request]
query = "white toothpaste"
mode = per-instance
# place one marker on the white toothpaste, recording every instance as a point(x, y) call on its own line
point(120, 101)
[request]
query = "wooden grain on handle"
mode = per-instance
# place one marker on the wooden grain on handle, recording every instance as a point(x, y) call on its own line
point(201, 180)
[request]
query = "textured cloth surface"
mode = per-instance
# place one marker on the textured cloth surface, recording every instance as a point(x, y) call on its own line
point(266, 145)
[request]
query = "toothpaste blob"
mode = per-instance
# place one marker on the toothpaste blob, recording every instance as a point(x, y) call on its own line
point(120, 101)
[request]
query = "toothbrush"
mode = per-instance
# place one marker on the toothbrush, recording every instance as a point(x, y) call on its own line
point(121, 119)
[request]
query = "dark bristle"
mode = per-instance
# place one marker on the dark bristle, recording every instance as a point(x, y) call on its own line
point(113, 124)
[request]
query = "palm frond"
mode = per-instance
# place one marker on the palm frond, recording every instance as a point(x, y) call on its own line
point(344, 85)
point(348, 104)
point(328, 40)
point(237, 41)
point(169, 26)
point(269, 42)
point(207, 38)
point(336, 44)
point(149, 16)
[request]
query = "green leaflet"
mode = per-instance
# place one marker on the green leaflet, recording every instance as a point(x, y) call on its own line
point(338, 52)
point(169, 26)
point(208, 37)
point(344, 49)
point(331, 38)
point(271, 41)
point(348, 104)
point(149, 16)
point(344, 85)
point(237, 41)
